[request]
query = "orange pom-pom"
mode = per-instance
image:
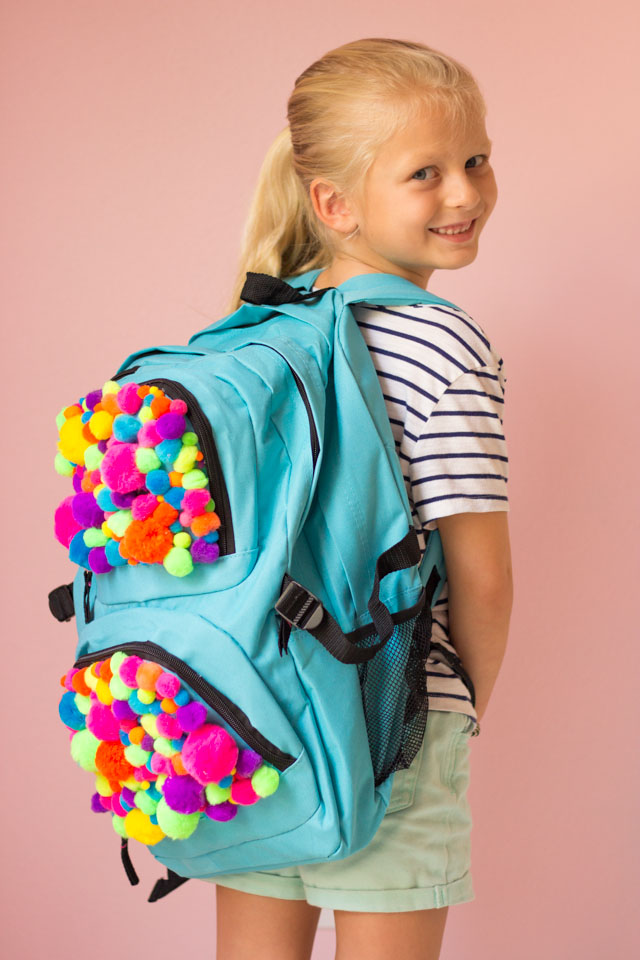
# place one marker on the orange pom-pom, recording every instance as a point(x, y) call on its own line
point(79, 684)
point(147, 674)
point(177, 764)
point(160, 405)
point(115, 786)
point(165, 513)
point(105, 671)
point(73, 411)
point(199, 455)
point(63, 680)
point(136, 735)
point(175, 478)
point(110, 404)
point(87, 435)
point(112, 763)
point(147, 541)
point(168, 705)
point(87, 483)
point(205, 523)
point(143, 391)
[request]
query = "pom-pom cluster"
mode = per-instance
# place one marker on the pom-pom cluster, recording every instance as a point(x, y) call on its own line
point(160, 767)
point(140, 495)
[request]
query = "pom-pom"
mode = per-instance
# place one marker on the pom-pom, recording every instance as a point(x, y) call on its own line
point(221, 811)
point(119, 471)
point(216, 794)
point(178, 406)
point(136, 756)
point(111, 762)
point(93, 457)
point(148, 435)
point(203, 552)
point(248, 763)
point(96, 804)
point(62, 466)
point(186, 459)
point(78, 550)
point(147, 541)
point(189, 438)
point(194, 480)
point(98, 561)
point(69, 713)
point(101, 425)
point(242, 792)
point(73, 442)
point(168, 726)
point(161, 764)
point(168, 450)
point(104, 501)
point(143, 506)
point(128, 399)
point(191, 716)
point(139, 827)
point(120, 707)
point(65, 524)
point(86, 511)
point(84, 747)
point(183, 794)
point(178, 562)
point(157, 482)
point(265, 780)
point(123, 501)
point(170, 426)
point(113, 555)
point(167, 685)
point(147, 674)
point(178, 826)
point(146, 459)
point(102, 723)
point(209, 753)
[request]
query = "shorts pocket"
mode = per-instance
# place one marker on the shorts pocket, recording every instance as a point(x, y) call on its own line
point(455, 762)
point(404, 784)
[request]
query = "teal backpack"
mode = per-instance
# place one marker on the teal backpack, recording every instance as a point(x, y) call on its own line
point(253, 613)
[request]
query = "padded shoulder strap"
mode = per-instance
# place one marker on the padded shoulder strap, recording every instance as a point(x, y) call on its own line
point(380, 288)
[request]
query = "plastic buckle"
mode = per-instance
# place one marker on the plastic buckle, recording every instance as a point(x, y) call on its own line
point(299, 607)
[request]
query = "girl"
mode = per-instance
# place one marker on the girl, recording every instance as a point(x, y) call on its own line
point(384, 168)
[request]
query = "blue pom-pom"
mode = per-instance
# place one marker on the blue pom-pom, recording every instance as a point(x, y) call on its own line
point(211, 537)
point(177, 744)
point(79, 551)
point(176, 527)
point(123, 803)
point(168, 450)
point(86, 416)
point(136, 705)
point(154, 793)
point(125, 427)
point(155, 707)
point(148, 400)
point(226, 781)
point(113, 555)
point(124, 738)
point(181, 698)
point(158, 482)
point(148, 764)
point(69, 713)
point(104, 500)
point(175, 496)
point(154, 819)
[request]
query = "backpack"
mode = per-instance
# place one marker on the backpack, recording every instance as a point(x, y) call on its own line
point(253, 612)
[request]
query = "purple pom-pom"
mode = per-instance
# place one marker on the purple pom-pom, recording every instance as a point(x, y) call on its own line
point(77, 479)
point(170, 426)
point(122, 710)
point(183, 794)
point(147, 742)
point(97, 805)
point(191, 716)
point(123, 500)
point(203, 552)
point(92, 398)
point(86, 511)
point(98, 560)
point(128, 796)
point(248, 763)
point(102, 446)
point(221, 811)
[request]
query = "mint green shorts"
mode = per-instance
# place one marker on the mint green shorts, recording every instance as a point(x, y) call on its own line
point(420, 856)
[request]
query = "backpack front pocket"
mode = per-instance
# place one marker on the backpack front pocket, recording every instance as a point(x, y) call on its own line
point(172, 753)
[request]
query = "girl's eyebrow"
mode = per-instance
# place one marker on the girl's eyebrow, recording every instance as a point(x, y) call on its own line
point(417, 157)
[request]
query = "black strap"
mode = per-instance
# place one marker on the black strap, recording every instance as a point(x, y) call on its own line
point(61, 602)
point(129, 868)
point(166, 885)
point(298, 607)
point(262, 288)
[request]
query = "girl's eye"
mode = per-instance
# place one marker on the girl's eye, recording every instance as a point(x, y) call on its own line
point(475, 166)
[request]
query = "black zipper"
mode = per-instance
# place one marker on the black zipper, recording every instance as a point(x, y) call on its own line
point(315, 444)
point(228, 710)
point(88, 612)
point(211, 461)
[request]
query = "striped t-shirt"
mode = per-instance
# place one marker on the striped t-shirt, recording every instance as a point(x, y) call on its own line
point(444, 385)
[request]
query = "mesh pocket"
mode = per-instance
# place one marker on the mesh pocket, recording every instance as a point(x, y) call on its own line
point(394, 694)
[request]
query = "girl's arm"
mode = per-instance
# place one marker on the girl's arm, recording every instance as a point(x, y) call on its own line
point(478, 559)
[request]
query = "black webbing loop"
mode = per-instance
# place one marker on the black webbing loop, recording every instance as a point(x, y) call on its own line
point(166, 885)
point(262, 288)
point(405, 553)
point(61, 602)
point(129, 868)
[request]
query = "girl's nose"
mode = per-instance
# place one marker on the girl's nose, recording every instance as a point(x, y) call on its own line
point(461, 192)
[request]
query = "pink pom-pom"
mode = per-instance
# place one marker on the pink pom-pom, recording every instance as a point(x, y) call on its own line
point(117, 807)
point(168, 726)
point(170, 426)
point(177, 406)
point(209, 754)
point(128, 399)
point(128, 670)
point(102, 723)
point(193, 504)
point(148, 436)
point(119, 471)
point(65, 524)
point(68, 678)
point(143, 506)
point(106, 802)
point(242, 792)
point(167, 686)
point(161, 764)
point(191, 716)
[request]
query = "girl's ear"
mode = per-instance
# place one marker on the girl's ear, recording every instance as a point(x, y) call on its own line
point(331, 206)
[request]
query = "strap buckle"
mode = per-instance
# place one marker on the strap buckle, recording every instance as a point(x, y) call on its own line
point(299, 607)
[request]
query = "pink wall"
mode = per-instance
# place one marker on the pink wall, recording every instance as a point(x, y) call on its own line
point(133, 136)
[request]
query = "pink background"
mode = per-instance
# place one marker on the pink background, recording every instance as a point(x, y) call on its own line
point(133, 136)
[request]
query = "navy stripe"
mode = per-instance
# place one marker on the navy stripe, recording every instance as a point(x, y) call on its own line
point(460, 476)
point(461, 433)
point(460, 496)
point(407, 383)
point(423, 343)
point(395, 312)
point(412, 361)
point(451, 696)
point(449, 456)
point(463, 413)
point(475, 393)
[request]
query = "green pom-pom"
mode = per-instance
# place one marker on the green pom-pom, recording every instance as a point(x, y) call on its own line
point(185, 459)
point(163, 746)
point(147, 459)
point(144, 414)
point(117, 660)
point(118, 826)
point(93, 537)
point(93, 457)
point(63, 466)
point(178, 826)
point(178, 561)
point(194, 480)
point(189, 438)
point(149, 724)
point(111, 386)
point(265, 780)
point(136, 756)
point(210, 507)
point(216, 793)
point(82, 703)
point(84, 747)
point(118, 689)
point(60, 419)
point(145, 803)
point(182, 540)
point(118, 522)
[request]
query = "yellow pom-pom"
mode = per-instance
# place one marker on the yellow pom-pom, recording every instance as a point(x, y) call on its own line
point(90, 679)
point(144, 414)
point(103, 693)
point(102, 786)
point(139, 827)
point(110, 387)
point(146, 696)
point(181, 540)
point(73, 443)
point(106, 529)
point(101, 425)
point(148, 722)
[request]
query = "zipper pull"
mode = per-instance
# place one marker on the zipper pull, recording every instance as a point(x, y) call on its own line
point(88, 612)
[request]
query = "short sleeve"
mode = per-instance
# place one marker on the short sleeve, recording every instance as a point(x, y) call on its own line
point(459, 462)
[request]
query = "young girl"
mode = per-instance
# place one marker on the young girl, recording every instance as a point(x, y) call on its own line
point(384, 168)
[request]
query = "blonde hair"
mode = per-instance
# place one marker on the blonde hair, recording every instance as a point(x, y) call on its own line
point(343, 108)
